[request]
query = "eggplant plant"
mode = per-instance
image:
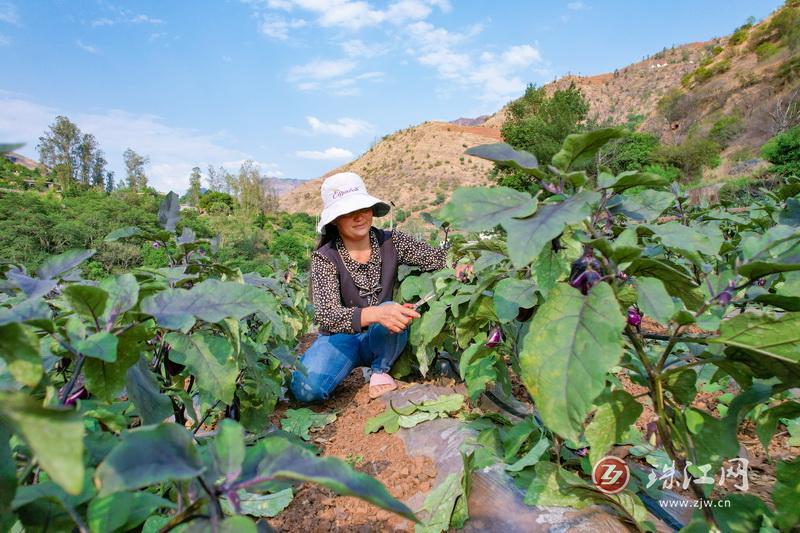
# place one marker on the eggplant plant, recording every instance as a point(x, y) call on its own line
point(586, 257)
point(113, 394)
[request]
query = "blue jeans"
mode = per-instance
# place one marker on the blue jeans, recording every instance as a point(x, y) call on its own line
point(331, 358)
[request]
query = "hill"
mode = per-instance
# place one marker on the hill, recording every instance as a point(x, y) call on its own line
point(746, 81)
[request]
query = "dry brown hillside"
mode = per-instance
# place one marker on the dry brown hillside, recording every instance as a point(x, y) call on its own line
point(415, 168)
point(749, 77)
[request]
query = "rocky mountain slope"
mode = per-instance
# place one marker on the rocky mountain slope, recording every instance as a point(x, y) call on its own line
point(750, 78)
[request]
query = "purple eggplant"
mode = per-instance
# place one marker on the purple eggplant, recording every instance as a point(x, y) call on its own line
point(724, 298)
point(585, 272)
point(634, 317)
point(495, 337)
point(623, 277)
point(80, 394)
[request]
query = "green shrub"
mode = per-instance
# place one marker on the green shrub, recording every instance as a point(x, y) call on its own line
point(789, 70)
point(702, 74)
point(632, 152)
point(672, 105)
point(783, 151)
point(739, 36)
point(726, 129)
point(716, 50)
point(669, 172)
point(690, 156)
point(765, 50)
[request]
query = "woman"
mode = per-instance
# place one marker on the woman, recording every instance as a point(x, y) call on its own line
point(353, 275)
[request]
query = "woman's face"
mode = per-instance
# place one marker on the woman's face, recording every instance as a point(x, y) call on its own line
point(354, 225)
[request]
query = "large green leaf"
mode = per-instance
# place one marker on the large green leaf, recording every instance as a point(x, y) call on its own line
point(279, 459)
point(512, 293)
point(123, 293)
point(147, 456)
point(122, 511)
point(169, 211)
point(54, 435)
point(87, 301)
point(144, 392)
point(483, 208)
point(300, 421)
point(32, 287)
point(712, 444)
point(30, 309)
point(122, 233)
point(777, 337)
point(786, 493)
point(210, 300)
point(616, 413)
point(439, 505)
point(574, 340)
point(227, 449)
point(551, 487)
point(654, 300)
point(645, 205)
point(58, 264)
point(210, 358)
point(19, 346)
point(106, 380)
point(432, 321)
point(688, 239)
point(100, 345)
point(261, 505)
point(675, 278)
point(636, 178)
point(527, 236)
point(549, 268)
point(8, 474)
point(505, 155)
point(767, 420)
point(580, 148)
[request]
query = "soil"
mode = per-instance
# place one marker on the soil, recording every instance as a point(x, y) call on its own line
point(380, 455)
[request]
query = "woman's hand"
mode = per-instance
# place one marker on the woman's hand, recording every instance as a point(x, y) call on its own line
point(395, 317)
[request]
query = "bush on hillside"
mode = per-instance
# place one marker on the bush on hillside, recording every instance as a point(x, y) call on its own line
point(766, 50)
point(213, 197)
point(690, 156)
point(783, 151)
point(726, 130)
point(632, 152)
point(674, 105)
point(669, 172)
point(789, 70)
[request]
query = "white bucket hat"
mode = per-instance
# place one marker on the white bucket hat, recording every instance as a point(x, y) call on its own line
point(344, 193)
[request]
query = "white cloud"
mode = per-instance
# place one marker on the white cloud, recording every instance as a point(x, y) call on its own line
point(344, 127)
point(328, 154)
point(576, 6)
point(173, 151)
point(356, 48)
point(278, 27)
point(87, 47)
point(320, 70)
point(102, 22)
point(144, 19)
point(8, 13)
point(4, 41)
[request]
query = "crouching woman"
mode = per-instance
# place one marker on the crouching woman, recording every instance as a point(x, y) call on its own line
point(353, 275)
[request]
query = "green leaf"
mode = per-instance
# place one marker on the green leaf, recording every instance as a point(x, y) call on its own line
point(32, 287)
point(531, 457)
point(389, 420)
point(510, 294)
point(432, 321)
point(635, 178)
point(123, 510)
point(8, 473)
point(122, 233)
point(574, 340)
point(19, 346)
point(280, 459)
point(527, 236)
point(232, 524)
point(682, 385)
point(675, 278)
point(478, 374)
point(688, 239)
point(412, 420)
point(210, 300)
point(616, 413)
point(786, 493)
point(123, 293)
point(483, 208)
point(767, 420)
point(505, 155)
point(30, 309)
point(208, 357)
point(100, 345)
point(147, 456)
point(300, 421)
point(744, 514)
point(439, 504)
point(654, 300)
point(54, 435)
point(645, 205)
point(712, 444)
point(260, 505)
point(86, 300)
point(169, 211)
point(56, 265)
point(548, 269)
point(106, 380)
point(145, 393)
point(580, 148)
point(763, 334)
point(549, 487)
point(227, 449)
point(446, 403)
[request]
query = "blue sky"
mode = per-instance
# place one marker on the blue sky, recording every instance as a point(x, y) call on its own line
point(303, 86)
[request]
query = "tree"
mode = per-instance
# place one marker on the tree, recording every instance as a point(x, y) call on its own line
point(98, 169)
point(254, 192)
point(193, 195)
point(110, 181)
point(87, 150)
point(783, 151)
point(539, 123)
point(59, 149)
point(134, 166)
point(216, 178)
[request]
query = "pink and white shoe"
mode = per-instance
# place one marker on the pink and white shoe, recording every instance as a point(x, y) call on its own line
point(380, 384)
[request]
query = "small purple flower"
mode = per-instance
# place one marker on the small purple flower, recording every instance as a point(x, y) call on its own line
point(156, 244)
point(761, 282)
point(582, 452)
point(495, 337)
point(634, 317)
point(622, 276)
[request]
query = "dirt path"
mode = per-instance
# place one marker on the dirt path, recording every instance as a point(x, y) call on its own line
point(380, 455)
